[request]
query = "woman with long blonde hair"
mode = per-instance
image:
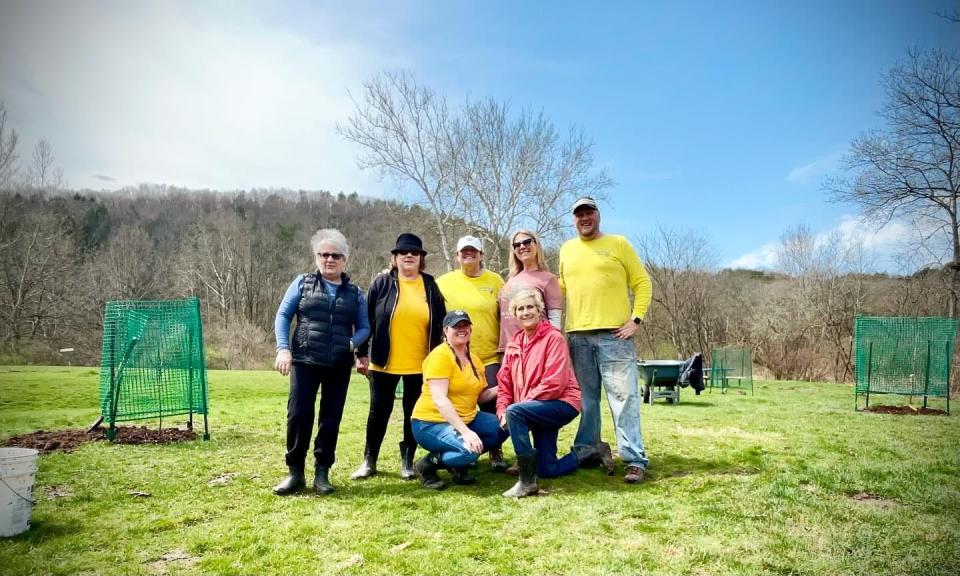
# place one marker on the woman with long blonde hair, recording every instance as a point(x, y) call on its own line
point(528, 270)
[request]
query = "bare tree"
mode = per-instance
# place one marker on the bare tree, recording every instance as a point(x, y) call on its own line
point(518, 172)
point(685, 304)
point(806, 328)
point(481, 164)
point(406, 132)
point(8, 150)
point(32, 252)
point(44, 175)
point(911, 169)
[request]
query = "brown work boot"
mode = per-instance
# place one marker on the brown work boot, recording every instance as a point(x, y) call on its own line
point(513, 470)
point(497, 463)
point(634, 474)
point(606, 458)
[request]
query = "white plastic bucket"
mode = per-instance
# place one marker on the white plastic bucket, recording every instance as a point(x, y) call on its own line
point(18, 467)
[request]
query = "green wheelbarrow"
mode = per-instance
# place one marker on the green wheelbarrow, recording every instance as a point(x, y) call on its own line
point(661, 379)
point(664, 378)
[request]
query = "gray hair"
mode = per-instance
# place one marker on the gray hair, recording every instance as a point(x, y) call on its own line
point(331, 236)
point(532, 294)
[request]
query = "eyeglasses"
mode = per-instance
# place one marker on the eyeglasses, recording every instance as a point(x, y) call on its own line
point(325, 255)
point(406, 252)
point(526, 242)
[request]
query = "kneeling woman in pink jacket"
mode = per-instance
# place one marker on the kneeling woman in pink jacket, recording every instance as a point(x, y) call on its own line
point(537, 394)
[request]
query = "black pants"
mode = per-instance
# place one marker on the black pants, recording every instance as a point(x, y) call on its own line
point(305, 381)
point(490, 375)
point(382, 389)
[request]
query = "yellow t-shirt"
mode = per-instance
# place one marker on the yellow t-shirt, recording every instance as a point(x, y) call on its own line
point(597, 277)
point(463, 391)
point(409, 330)
point(478, 298)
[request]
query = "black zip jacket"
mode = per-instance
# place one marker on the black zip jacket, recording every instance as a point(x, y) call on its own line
point(382, 300)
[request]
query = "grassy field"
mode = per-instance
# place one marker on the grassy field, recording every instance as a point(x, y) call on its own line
point(788, 481)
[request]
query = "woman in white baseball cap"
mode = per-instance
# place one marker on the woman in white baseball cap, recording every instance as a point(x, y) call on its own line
point(475, 290)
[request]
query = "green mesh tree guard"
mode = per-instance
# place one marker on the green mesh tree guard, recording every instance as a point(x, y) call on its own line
point(731, 367)
point(152, 364)
point(903, 356)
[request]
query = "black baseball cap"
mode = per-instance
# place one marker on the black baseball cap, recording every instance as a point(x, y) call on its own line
point(455, 317)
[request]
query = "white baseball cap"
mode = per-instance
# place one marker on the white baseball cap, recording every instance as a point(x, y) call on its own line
point(585, 201)
point(470, 242)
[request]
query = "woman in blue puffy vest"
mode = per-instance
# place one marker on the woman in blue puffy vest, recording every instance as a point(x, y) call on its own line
point(331, 324)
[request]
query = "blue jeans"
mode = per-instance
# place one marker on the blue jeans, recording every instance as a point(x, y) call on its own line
point(543, 418)
point(600, 358)
point(443, 438)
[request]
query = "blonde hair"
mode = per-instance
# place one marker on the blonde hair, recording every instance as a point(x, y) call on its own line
point(516, 266)
point(527, 293)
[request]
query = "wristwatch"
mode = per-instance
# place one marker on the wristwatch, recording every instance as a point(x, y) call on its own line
point(637, 320)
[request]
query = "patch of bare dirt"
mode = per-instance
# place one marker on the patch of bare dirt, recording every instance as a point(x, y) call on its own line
point(174, 560)
point(57, 491)
point(223, 479)
point(873, 499)
point(46, 442)
point(880, 409)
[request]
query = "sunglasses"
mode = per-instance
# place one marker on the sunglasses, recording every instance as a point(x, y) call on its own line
point(406, 252)
point(334, 255)
point(526, 242)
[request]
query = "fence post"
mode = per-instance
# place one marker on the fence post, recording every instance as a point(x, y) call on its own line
point(926, 376)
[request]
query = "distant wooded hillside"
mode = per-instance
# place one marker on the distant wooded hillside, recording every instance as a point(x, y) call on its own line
point(64, 254)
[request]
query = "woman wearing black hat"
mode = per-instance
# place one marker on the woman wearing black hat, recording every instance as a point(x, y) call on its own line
point(406, 311)
point(446, 420)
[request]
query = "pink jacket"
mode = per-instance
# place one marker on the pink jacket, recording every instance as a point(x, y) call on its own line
point(538, 370)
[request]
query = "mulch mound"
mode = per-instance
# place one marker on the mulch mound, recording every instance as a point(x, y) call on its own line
point(904, 410)
point(67, 440)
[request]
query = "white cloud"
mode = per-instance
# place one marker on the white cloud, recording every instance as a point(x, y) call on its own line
point(191, 94)
point(853, 229)
point(815, 170)
point(884, 246)
point(763, 258)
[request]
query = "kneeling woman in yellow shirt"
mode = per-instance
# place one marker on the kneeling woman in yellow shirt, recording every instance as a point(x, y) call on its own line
point(446, 420)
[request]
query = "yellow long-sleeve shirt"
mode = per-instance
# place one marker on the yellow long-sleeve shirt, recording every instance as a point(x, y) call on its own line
point(597, 277)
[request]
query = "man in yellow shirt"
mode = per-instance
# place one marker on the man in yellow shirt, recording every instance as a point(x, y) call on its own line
point(598, 272)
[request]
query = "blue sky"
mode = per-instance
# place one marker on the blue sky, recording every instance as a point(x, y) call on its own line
point(720, 116)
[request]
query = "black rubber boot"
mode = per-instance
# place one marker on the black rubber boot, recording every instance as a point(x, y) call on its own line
point(367, 469)
point(292, 484)
point(406, 462)
point(426, 469)
point(462, 476)
point(586, 455)
point(527, 484)
point(606, 458)
point(321, 481)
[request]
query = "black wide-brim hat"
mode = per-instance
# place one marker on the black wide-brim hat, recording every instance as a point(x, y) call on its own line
point(408, 241)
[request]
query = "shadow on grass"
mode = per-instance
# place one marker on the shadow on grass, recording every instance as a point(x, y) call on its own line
point(673, 466)
point(42, 530)
point(695, 403)
point(583, 481)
